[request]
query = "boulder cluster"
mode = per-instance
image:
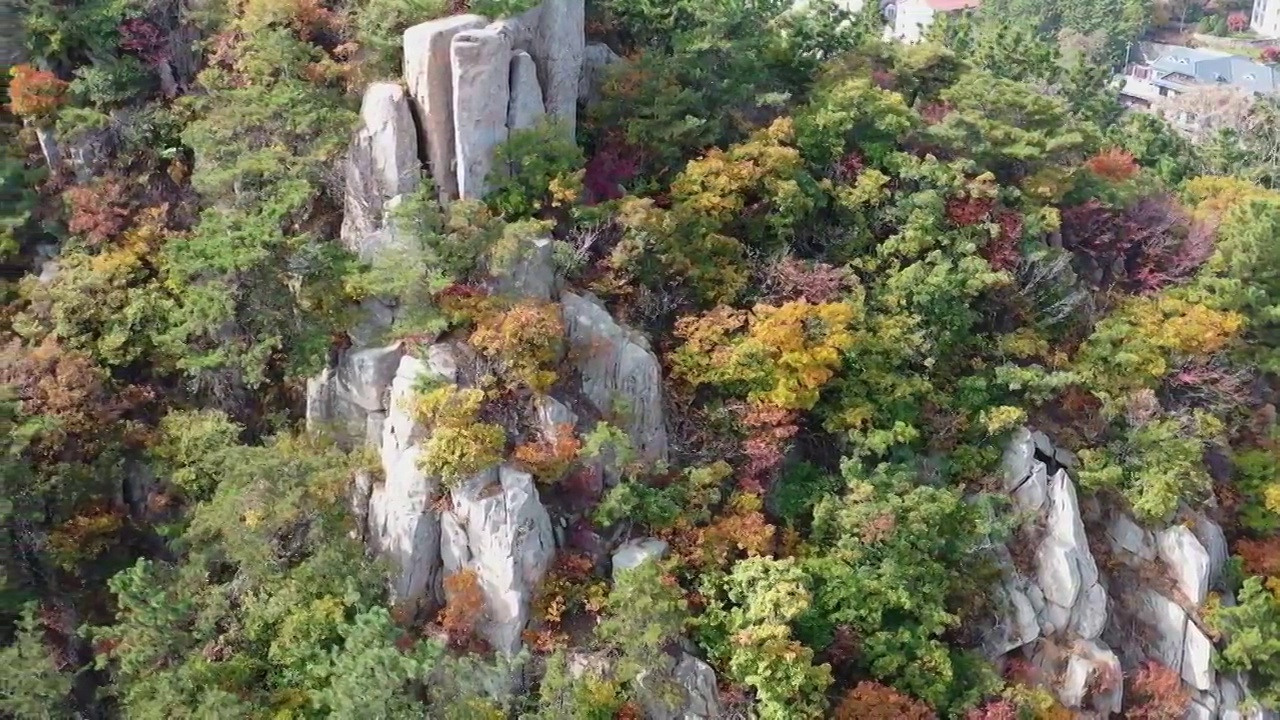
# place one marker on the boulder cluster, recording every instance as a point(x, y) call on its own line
point(1087, 591)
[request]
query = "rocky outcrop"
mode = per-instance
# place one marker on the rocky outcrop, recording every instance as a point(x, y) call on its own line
point(1179, 643)
point(558, 45)
point(532, 274)
point(405, 529)
point(382, 163)
point(1089, 676)
point(634, 553)
point(620, 374)
point(695, 695)
point(348, 399)
point(499, 529)
point(596, 59)
point(1187, 561)
point(429, 74)
point(481, 64)
point(526, 109)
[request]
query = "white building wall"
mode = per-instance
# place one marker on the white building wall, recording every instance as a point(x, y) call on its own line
point(915, 16)
point(1266, 17)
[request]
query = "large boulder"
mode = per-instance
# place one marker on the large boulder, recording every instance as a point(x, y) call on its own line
point(532, 273)
point(526, 108)
point(404, 528)
point(1186, 560)
point(1177, 642)
point(1088, 678)
point(558, 45)
point(382, 163)
point(620, 374)
point(499, 529)
point(596, 59)
point(348, 400)
point(635, 553)
point(481, 61)
point(1075, 601)
point(428, 73)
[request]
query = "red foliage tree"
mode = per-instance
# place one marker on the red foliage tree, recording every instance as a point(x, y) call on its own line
point(1002, 251)
point(873, 701)
point(1146, 246)
point(1238, 21)
point(1270, 55)
point(34, 94)
point(1260, 557)
point(1157, 694)
point(464, 607)
point(100, 211)
point(614, 163)
point(966, 211)
point(769, 433)
point(848, 168)
point(144, 39)
point(1113, 164)
point(994, 710)
point(817, 282)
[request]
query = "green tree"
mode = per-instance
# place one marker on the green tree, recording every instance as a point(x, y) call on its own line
point(1252, 631)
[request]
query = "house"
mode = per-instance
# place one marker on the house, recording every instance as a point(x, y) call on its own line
point(1266, 18)
point(1166, 71)
point(909, 19)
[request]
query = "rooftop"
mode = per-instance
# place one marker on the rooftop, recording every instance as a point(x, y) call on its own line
point(1214, 66)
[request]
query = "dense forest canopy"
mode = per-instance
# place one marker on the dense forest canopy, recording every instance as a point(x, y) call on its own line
point(863, 265)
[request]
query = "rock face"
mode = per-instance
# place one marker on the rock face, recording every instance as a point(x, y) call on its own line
point(1065, 568)
point(381, 164)
point(429, 75)
point(348, 400)
point(402, 524)
point(532, 276)
point(481, 64)
point(1187, 560)
point(1090, 678)
point(1179, 643)
point(526, 109)
point(620, 374)
point(637, 552)
point(499, 529)
point(596, 59)
point(558, 45)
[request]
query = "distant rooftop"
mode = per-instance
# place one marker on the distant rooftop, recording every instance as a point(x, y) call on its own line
point(1214, 66)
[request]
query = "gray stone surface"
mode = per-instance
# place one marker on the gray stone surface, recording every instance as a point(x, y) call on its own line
point(1092, 680)
point(526, 108)
point(1178, 642)
point(596, 59)
point(558, 46)
point(382, 163)
point(532, 276)
point(481, 61)
point(634, 553)
point(428, 73)
point(499, 528)
point(1128, 538)
point(404, 528)
point(620, 374)
point(1187, 561)
point(1065, 568)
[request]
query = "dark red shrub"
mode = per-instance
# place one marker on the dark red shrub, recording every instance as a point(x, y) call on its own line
point(1002, 251)
point(1156, 693)
point(100, 211)
point(848, 168)
point(144, 39)
point(614, 163)
point(1146, 246)
point(792, 279)
point(1113, 164)
point(1270, 55)
point(1260, 557)
point(1237, 21)
point(966, 211)
point(935, 112)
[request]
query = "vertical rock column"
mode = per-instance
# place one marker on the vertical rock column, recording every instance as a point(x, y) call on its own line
point(430, 79)
point(526, 109)
point(382, 163)
point(482, 76)
point(559, 43)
